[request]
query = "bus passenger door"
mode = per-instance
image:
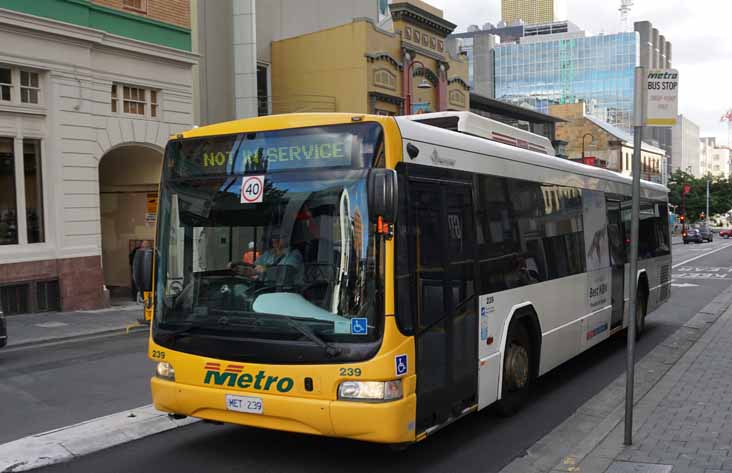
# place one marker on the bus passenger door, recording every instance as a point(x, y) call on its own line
point(616, 236)
point(443, 239)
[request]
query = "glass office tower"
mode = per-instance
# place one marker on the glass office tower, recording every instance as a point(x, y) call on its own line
point(597, 69)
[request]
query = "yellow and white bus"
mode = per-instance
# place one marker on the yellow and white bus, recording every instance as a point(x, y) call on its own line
point(378, 278)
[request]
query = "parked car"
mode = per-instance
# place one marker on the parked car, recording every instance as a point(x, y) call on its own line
point(725, 233)
point(706, 233)
point(693, 235)
point(3, 329)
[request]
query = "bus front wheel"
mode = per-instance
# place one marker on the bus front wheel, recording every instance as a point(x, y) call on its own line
point(517, 370)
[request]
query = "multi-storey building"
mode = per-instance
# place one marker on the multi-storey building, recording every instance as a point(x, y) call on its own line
point(532, 11)
point(89, 93)
point(478, 45)
point(685, 147)
point(714, 160)
point(325, 56)
point(556, 63)
point(541, 71)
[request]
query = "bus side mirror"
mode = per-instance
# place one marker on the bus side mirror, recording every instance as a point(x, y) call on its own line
point(383, 195)
point(142, 269)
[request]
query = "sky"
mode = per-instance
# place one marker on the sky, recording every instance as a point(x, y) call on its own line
point(699, 31)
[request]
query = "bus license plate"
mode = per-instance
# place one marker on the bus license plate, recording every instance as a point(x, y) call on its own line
point(250, 405)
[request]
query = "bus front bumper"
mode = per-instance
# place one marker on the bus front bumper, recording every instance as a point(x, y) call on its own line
point(388, 422)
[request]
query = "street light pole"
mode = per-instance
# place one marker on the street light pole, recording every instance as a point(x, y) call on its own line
point(706, 215)
point(408, 85)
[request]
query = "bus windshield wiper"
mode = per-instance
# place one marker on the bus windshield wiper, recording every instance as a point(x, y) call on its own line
point(186, 330)
point(306, 331)
point(330, 350)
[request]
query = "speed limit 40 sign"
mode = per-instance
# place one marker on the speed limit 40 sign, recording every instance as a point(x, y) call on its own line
point(252, 189)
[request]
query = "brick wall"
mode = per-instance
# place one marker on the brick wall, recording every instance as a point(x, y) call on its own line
point(176, 12)
point(80, 280)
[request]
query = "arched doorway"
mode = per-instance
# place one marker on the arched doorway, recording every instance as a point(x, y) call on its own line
point(128, 186)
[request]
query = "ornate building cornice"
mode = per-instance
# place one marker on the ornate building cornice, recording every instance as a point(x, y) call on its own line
point(412, 14)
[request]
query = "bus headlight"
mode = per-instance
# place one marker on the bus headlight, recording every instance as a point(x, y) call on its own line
point(370, 390)
point(165, 370)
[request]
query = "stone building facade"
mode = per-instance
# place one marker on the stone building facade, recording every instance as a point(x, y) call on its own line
point(364, 68)
point(604, 145)
point(89, 94)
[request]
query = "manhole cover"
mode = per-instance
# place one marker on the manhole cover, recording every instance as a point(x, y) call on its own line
point(628, 467)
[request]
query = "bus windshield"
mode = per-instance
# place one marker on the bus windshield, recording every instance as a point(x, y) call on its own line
point(265, 251)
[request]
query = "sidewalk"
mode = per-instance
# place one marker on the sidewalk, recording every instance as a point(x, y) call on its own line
point(34, 329)
point(682, 413)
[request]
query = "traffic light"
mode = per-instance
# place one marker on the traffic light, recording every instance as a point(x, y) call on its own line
point(682, 218)
point(701, 216)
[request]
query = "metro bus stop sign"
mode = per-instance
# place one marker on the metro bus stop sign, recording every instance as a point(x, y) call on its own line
point(662, 97)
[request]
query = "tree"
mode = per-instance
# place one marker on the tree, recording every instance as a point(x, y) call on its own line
point(720, 194)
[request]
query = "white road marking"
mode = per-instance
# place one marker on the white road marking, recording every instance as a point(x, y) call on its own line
point(700, 256)
point(67, 443)
point(52, 324)
point(684, 285)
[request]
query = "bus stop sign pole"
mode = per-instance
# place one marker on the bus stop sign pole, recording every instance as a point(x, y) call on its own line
point(639, 120)
point(656, 104)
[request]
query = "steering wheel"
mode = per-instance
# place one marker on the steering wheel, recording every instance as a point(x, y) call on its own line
point(243, 269)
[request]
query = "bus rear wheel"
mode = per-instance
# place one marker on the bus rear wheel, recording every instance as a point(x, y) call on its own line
point(517, 371)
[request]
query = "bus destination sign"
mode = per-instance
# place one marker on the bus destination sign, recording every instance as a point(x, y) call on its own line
point(283, 153)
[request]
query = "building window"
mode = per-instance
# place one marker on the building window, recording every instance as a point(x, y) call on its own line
point(137, 101)
point(139, 6)
point(33, 190)
point(115, 100)
point(6, 83)
point(133, 100)
point(30, 89)
point(154, 103)
point(8, 201)
point(457, 98)
point(385, 79)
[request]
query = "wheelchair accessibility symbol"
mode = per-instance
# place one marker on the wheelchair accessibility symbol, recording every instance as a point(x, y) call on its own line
point(401, 364)
point(359, 326)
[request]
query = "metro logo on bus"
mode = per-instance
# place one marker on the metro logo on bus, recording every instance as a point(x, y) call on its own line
point(234, 376)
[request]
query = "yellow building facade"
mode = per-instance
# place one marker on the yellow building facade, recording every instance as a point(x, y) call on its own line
point(361, 68)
